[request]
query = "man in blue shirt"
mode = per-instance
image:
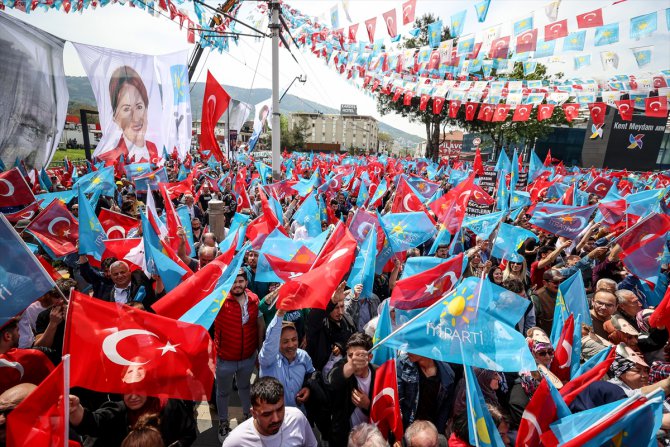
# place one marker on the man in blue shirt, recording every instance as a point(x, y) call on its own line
point(281, 358)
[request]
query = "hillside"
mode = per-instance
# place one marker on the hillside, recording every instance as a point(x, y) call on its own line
point(82, 94)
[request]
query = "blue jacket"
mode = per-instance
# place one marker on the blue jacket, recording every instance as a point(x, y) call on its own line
point(408, 390)
point(273, 363)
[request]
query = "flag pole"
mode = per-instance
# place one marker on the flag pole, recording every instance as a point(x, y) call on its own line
point(66, 399)
point(469, 405)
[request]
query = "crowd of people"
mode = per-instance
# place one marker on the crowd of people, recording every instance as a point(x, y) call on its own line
point(306, 377)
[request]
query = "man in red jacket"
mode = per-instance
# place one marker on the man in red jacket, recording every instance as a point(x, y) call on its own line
point(238, 332)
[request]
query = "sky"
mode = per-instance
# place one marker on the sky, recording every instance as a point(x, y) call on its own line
point(122, 27)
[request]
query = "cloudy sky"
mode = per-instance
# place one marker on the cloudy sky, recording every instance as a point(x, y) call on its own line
point(130, 29)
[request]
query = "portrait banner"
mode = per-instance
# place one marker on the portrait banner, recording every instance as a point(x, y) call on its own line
point(262, 121)
point(173, 74)
point(34, 97)
point(126, 89)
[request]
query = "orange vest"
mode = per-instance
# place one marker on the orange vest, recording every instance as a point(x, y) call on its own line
point(233, 340)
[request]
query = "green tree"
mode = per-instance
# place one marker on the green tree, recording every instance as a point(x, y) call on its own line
point(300, 133)
point(433, 123)
point(385, 141)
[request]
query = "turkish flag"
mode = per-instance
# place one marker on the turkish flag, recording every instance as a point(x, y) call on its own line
point(571, 111)
point(407, 98)
point(56, 228)
point(26, 213)
point(353, 29)
point(370, 25)
point(537, 416)
point(385, 405)
point(470, 109)
point(23, 366)
point(598, 111)
point(438, 104)
point(14, 190)
point(499, 48)
point(129, 250)
point(560, 365)
point(136, 352)
point(315, 288)
point(556, 30)
point(480, 196)
point(574, 387)
point(659, 82)
point(500, 113)
point(405, 200)
point(599, 186)
point(425, 288)
point(522, 112)
point(548, 159)
point(485, 112)
point(116, 225)
point(40, 418)
point(214, 103)
point(390, 20)
point(450, 208)
point(287, 270)
point(178, 188)
point(625, 107)
point(423, 102)
point(644, 232)
point(172, 221)
point(454, 106)
point(526, 41)
point(656, 106)
point(396, 94)
point(408, 10)
point(590, 19)
point(544, 111)
point(241, 195)
point(195, 288)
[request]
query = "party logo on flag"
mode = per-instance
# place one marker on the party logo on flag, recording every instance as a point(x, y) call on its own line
point(180, 83)
point(596, 131)
point(635, 141)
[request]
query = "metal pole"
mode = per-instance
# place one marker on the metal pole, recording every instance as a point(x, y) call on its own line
point(228, 131)
point(276, 132)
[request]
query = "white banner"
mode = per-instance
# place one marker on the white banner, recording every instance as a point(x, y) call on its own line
point(177, 121)
point(34, 97)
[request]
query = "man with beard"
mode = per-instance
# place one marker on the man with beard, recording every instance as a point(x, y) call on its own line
point(273, 423)
point(238, 332)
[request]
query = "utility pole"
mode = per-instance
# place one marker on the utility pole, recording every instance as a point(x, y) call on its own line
point(276, 131)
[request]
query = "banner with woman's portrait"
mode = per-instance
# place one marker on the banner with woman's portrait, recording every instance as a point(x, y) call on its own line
point(34, 96)
point(136, 122)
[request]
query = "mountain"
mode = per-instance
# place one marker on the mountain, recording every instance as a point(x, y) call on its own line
point(81, 94)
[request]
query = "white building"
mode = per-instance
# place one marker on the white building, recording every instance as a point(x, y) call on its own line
point(357, 131)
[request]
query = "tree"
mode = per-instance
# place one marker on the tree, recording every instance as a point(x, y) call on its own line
point(385, 141)
point(432, 122)
point(295, 138)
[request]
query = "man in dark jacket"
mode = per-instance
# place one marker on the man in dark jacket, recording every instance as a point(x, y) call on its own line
point(100, 280)
point(351, 383)
point(128, 286)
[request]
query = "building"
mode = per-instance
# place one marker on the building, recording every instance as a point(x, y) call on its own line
point(347, 131)
point(73, 134)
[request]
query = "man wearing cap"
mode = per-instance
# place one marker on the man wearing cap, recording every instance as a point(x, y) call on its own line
point(238, 332)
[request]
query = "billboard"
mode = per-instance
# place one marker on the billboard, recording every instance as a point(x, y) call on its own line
point(348, 109)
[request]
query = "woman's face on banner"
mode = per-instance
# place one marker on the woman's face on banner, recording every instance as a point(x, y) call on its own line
point(131, 114)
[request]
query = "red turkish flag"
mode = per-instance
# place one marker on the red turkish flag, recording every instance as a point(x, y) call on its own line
point(598, 111)
point(129, 250)
point(425, 288)
point(454, 106)
point(560, 365)
point(172, 221)
point(116, 225)
point(590, 19)
point(485, 112)
point(56, 228)
point(499, 48)
point(548, 159)
point(656, 106)
point(571, 111)
point(385, 405)
point(23, 366)
point(599, 186)
point(287, 270)
point(438, 104)
point(26, 213)
point(136, 352)
point(40, 418)
point(408, 10)
point(214, 103)
point(195, 288)
point(480, 196)
point(450, 208)
point(500, 113)
point(390, 20)
point(659, 82)
point(526, 41)
point(556, 30)
point(423, 102)
point(315, 288)
point(353, 29)
point(241, 195)
point(625, 107)
point(370, 25)
point(407, 98)
point(14, 190)
point(544, 111)
point(183, 187)
point(396, 95)
point(470, 109)
point(522, 112)
point(405, 200)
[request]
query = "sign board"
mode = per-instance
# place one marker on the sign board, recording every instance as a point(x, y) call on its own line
point(348, 109)
point(475, 209)
point(488, 181)
point(450, 148)
point(264, 156)
point(522, 181)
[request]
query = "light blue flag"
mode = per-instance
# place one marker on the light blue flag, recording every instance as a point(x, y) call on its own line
point(305, 187)
point(45, 181)
point(170, 272)
point(514, 162)
point(185, 220)
point(102, 180)
point(593, 362)
point(469, 326)
point(443, 238)
point(228, 241)
point(644, 25)
point(309, 215)
point(363, 271)
point(502, 202)
point(562, 409)
point(183, 173)
point(276, 244)
point(645, 202)
point(208, 308)
point(47, 198)
point(582, 61)
point(383, 329)
point(435, 34)
point(606, 35)
point(519, 199)
point(465, 46)
point(384, 256)
point(503, 163)
point(362, 195)
point(482, 9)
point(570, 299)
point(545, 49)
point(481, 428)
point(509, 240)
point(535, 167)
point(523, 25)
point(137, 169)
point(418, 264)
point(457, 23)
point(379, 192)
point(574, 41)
point(91, 234)
point(483, 225)
point(240, 221)
point(407, 230)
